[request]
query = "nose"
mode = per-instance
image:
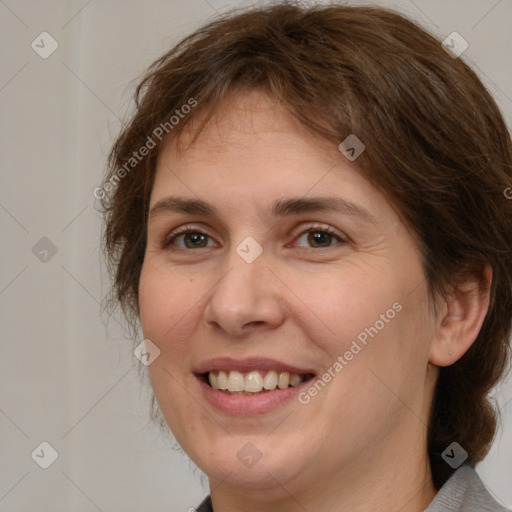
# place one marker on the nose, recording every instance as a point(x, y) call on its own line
point(248, 298)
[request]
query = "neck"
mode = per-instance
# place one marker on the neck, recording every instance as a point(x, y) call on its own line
point(414, 495)
point(386, 486)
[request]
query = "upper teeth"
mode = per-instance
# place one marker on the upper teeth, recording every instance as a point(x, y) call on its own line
point(253, 382)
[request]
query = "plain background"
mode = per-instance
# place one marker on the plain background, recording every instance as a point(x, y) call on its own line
point(64, 378)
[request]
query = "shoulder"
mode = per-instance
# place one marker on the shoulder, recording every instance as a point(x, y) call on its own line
point(465, 492)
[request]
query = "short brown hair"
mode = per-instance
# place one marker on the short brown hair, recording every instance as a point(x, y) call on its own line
point(436, 145)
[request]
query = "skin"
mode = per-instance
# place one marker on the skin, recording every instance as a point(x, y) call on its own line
point(360, 443)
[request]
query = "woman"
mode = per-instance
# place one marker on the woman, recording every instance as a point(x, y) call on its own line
point(306, 214)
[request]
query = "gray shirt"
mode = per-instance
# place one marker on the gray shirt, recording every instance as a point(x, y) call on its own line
point(463, 492)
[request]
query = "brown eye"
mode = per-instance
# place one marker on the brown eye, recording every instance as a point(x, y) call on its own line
point(318, 238)
point(193, 240)
point(188, 240)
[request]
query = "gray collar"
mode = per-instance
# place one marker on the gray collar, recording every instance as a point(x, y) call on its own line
point(463, 492)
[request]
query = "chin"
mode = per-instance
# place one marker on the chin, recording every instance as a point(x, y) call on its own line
point(249, 467)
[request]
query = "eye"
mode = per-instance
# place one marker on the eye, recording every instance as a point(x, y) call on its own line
point(319, 237)
point(187, 239)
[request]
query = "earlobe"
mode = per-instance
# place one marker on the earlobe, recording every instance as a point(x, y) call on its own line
point(461, 318)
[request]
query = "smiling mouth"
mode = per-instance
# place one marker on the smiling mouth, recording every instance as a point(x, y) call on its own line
point(253, 382)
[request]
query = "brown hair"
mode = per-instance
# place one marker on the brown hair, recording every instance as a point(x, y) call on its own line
point(436, 145)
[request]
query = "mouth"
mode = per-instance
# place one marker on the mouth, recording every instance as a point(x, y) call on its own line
point(250, 386)
point(255, 382)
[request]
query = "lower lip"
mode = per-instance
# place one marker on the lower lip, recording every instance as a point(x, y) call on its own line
point(245, 405)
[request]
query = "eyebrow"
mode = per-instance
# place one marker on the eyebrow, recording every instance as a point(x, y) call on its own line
point(280, 208)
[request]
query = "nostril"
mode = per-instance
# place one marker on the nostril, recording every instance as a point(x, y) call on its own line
point(256, 322)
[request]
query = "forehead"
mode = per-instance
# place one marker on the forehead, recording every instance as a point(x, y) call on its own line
point(241, 120)
point(251, 151)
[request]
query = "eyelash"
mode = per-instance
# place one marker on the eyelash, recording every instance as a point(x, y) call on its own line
point(169, 239)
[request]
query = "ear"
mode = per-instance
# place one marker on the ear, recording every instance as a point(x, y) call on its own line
point(461, 318)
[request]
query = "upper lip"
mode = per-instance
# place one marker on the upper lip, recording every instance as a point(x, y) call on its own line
point(248, 365)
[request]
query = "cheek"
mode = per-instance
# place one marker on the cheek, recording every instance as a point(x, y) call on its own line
point(343, 304)
point(370, 319)
point(166, 304)
point(152, 301)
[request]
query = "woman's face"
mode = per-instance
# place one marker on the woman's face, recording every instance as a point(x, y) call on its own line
point(291, 263)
